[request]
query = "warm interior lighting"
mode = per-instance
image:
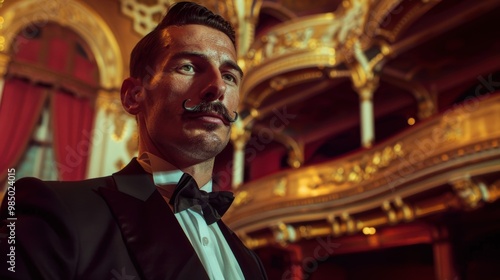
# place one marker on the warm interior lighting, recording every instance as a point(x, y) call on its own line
point(411, 121)
point(369, 230)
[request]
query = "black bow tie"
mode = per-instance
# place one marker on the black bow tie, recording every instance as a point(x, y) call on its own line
point(187, 194)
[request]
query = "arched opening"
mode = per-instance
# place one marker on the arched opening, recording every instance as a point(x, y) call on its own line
point(47, 104)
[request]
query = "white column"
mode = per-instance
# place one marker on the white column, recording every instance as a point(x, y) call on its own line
point(239, 138)
point(365, 82)
point(367, 117)
point(239, 165)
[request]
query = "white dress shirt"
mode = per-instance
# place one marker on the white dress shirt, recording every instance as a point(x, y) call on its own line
point(207, 240)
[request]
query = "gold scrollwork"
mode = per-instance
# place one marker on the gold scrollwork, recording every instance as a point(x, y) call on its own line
point(278, 83)
point(362, 169)
point(4, 62)
point(335, 225)
point(144, 16)
point(349, 222)
point(471, 193)
point(113, 110)
point(398, 211)
point(284, 234)
point(320, 32)
point(493, 191)
point(280, 188)
point(241, 198)
point(452, 127)
point(120, 125)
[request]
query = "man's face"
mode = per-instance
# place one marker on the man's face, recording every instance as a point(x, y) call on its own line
point(199, 64)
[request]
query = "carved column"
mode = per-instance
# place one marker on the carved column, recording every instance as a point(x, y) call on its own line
point(245, 20)
point(365, 91)
point(239, 138)
point(367, 118)
point(4, 62)
point(365, 83)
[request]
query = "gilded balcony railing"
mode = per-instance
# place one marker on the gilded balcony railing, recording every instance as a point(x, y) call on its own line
point(453, 149)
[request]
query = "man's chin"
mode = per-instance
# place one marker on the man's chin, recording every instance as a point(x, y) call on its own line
point(209, 142)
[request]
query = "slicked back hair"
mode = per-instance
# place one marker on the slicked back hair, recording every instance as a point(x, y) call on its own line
point(148, 49)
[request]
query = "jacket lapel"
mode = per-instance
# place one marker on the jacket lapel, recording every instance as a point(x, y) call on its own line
point(153, 236)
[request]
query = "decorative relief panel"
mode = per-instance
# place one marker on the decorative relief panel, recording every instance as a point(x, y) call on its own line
point(314, 33)
point(147, 14)
point(319, 41)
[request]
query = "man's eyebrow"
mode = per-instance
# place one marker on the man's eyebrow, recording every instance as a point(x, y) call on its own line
point(184, 54)
point(235, 66)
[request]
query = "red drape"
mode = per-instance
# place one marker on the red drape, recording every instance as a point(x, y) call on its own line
point(58, 55)
point(72, 122)
point(27, 50)
point(72, 117)
point(85, 71)
point(20, 109)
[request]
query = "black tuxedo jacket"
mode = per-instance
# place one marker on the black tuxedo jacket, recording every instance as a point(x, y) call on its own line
point(117, 227)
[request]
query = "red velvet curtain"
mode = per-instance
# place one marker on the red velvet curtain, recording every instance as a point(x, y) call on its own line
point(20, 110)
point(57, 50)
point(58, 54)
point(27, 50)
point(72, 116)
point(72, 121)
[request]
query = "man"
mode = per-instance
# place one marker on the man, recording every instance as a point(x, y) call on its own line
point(145, 221)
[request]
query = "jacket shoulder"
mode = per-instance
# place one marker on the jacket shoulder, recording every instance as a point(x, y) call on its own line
point(28, 182)
point(75, 196)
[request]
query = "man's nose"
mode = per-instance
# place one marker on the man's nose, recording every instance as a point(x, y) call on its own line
point(215, 88)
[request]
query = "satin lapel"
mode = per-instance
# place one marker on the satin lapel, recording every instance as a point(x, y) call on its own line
point(249, 263)
point(154, 238)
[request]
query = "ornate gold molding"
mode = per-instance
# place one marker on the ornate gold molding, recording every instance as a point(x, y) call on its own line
point(109, 102)
point(394, 211)
point(77, 16)
point(144, 16)
point(471, 193)
point(243, 15)
point(313, 43)
point(4, 63)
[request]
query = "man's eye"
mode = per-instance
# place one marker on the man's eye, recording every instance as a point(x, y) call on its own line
point(229, 77)
point(187, 68)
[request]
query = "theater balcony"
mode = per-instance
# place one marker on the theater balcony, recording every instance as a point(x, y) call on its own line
point(369, 137)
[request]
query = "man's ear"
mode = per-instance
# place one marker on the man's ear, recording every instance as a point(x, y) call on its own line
point(132, 95)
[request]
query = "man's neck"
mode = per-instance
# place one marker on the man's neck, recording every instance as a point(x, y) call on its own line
point(201, 172)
